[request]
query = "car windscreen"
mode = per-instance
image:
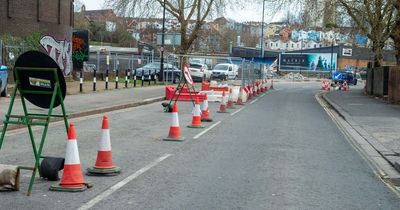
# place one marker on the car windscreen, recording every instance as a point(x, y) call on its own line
point(195, 65)
point(152, 65)
point(221, 67)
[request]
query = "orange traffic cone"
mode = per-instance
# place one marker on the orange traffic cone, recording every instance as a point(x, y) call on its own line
point(174, 130)
point(205, 112)
point(72, 179)
point(250, 91)
point(254, 90)
point(196, 120)
point(222, 107)
point(104, 164)
point(240, 100)
point(230, 100)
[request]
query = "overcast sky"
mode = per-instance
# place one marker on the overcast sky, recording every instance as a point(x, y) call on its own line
point(252, 12)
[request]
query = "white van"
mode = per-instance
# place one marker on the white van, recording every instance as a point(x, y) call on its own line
point(224, 71)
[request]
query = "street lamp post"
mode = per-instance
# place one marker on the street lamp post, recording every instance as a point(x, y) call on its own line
point(330, 72)
point(262, 40)
point(161, 77)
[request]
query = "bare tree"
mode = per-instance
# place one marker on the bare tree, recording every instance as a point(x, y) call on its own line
point(376, 18)
point(182, 10)
point(396, 32)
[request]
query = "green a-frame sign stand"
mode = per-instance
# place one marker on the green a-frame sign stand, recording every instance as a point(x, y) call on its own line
point(186, 80)
point(30, 119)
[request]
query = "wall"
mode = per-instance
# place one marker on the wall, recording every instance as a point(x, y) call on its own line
point(51, 18)
point(394, 84)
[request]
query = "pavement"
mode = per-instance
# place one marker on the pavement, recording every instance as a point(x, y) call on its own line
point(375, 120)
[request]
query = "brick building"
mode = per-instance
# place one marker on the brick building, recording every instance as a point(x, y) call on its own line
point(52, 19)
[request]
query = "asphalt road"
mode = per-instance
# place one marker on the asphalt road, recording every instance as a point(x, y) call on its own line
point(280, 152)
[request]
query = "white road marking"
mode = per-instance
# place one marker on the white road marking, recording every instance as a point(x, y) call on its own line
point(237, 111)
point(254, 101)
point(206, 130)
point(122, 183)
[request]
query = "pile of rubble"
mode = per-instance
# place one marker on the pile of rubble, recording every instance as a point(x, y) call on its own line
point(296, 77)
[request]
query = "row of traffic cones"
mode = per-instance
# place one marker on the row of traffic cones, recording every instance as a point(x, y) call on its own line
point(72, 178)
point(203, 114)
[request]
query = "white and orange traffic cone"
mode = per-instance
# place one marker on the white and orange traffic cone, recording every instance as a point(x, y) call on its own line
point(250, 91)
point(258, 87)
point(266, 85)
point(196, 120)
point(240, 100)
point(230, 105)
point(72, 178)
point(174, 131)
point(205, 112)
point(254, 89)
point(222, 107)
point(104, 164)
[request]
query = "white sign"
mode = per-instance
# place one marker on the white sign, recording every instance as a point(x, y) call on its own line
point(347, 52)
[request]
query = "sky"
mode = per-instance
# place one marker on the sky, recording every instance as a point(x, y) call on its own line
point(251, 12)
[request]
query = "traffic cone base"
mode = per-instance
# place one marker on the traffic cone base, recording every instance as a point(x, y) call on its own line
point(92, 171)
point(71, 188)
point(206, 120)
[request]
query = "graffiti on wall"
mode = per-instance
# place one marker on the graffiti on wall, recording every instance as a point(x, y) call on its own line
point(60, 51)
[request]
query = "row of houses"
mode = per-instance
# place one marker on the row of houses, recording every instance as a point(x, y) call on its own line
point(217, 35)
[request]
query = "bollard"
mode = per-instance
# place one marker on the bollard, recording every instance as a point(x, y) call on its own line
point(107, 79)
point(108, 67)
point(149, 78)
point(94, 80)
point(134, 79)
point(116, 79)
point(126, 78)
point(142, 78)
point(81, 81)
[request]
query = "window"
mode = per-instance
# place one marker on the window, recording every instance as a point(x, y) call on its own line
point(315, 45)
point(292, 45)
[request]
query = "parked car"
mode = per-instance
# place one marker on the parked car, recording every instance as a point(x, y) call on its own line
point(224, 71)
point(341, 76)
point(170, 71)
point(199, 72)
point(3, 80)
